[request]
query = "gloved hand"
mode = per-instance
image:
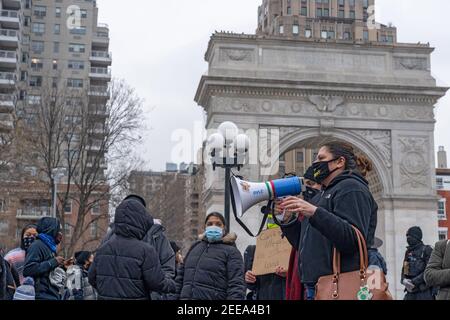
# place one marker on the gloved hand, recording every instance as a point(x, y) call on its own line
point(408, 285)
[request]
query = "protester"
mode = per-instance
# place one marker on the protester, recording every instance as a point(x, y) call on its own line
point(78, 285)
point(126, 267)
point(16, 257)
point(213, 268)
point(41, 259)
point(178, 255)
point(26, 290)
point(9, 280)
point(376, 260)
point(157, 239)
point(437, 272)
point(416, 259)
point(345, 201)
point(265, 287)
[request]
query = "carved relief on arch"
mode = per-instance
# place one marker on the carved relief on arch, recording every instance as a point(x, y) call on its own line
point(414, 168)
point(381, 140)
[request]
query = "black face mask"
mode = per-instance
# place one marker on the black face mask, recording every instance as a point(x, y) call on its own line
point(322, 171)
point(412, 241)
point(310, 193)
point(27, 241)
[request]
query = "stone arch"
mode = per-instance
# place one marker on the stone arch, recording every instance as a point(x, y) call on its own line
point(382, 171)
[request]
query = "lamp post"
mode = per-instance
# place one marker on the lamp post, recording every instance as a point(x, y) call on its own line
point(228, 141)
point(57, 174)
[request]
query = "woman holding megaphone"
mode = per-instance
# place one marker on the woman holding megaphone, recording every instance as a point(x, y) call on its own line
point(327, 221)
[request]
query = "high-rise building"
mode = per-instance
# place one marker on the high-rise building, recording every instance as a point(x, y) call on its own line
point(10, 36)
point(45, 45)
point(442, 158)
point(323, 19)
point(174, 197)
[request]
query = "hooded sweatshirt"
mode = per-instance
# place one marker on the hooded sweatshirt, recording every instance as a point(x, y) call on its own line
point(345, 202)
point(40, 261)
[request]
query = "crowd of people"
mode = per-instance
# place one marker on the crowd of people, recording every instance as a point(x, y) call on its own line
point(136, 260)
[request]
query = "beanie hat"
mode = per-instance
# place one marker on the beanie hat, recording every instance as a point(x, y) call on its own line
point(415, 232)
point(136, 198)
point(82, 256)
point(25, 291)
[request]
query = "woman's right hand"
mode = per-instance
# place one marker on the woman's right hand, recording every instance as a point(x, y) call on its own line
point(250, 277)
point(278, 210)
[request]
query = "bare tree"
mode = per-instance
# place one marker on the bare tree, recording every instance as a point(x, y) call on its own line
point(91, 133)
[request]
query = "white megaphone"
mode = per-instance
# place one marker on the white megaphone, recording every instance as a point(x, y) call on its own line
point(245, 195)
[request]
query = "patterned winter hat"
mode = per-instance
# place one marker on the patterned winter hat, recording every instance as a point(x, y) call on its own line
point(25, 291)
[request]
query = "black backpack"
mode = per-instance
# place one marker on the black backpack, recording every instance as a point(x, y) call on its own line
point(8, 280)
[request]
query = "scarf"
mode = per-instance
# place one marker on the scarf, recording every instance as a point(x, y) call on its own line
point(293, 284)
point(49, 241)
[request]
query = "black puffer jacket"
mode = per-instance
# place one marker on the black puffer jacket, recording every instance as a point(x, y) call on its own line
point(40, 261)
point(125, 267)
point(157, 239)
point(345, 202)
point(212, 271)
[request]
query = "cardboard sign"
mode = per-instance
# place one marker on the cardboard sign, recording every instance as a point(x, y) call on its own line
point(271, 251)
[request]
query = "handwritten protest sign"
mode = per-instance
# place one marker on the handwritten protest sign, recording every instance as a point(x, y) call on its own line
point(271, 251)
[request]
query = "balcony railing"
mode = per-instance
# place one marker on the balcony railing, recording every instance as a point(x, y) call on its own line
point(9, 13)
point(8, 54)
point(33, 213)
point(101, 54)
point(102, 71)
point(9, 33)
point(98, 91)
point(7, 76)
point(7, 98)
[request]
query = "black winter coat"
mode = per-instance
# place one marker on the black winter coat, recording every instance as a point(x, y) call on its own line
point(40, 261)
point(212, 271)
point(267, 287)
point(125, 267)
point(345, 202)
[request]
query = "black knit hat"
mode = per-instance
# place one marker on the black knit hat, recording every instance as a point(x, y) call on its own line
point(415, 232)
point(309, 174)
point(136, 197)
point(82, 256)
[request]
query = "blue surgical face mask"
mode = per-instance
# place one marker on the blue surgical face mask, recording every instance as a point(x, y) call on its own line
point(213, 233)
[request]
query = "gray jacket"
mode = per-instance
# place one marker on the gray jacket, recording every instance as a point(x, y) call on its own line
point(157, 239)
point(437, 272)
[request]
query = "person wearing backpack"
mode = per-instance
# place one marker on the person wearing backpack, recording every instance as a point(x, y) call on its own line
point(78, 286)
point(416, 259)
point(9, 280)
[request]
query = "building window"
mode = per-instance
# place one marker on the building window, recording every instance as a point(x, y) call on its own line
point(440, 183)
point(77, 48)
point(94, 229)
point(352, 3)
point(96, 209)
point(37, 46)
point(57, 29)
point(443, 234)
point(281, 29)
point(324, 34)
point(300, 157)
point(67, 230)
point(341, 14)
point(27, 21)
point(318, 12)
point(55, 47)
point(326, 12)
point(366, 35)
point(331, 35)
point(40, 11)
point(83, 13)
point(38, 27)
point(295, 29)
point(68, 207)
point(304, 11)
point(80, 30)
point(57, 12)
point(75, 83)
point(35, 81)
point(2, 205)
point(34, 100)
point(308, 33)
point(75, 64)
point(442, 214)
point(36, 64)
point(347, 35)
point(27, 4)
point(341, 3)
point(352, 14)
point(55, 64)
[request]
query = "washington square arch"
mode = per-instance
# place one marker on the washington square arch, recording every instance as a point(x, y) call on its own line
point(377, 95)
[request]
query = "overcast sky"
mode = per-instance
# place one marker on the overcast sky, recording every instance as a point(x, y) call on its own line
point(159, 46)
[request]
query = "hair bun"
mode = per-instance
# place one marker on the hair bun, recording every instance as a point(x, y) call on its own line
point(364, 165)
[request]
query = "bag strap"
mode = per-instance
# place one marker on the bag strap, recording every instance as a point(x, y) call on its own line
point(363, 255)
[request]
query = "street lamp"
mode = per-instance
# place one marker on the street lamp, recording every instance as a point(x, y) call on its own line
point(223, 143)
point(57, 174)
